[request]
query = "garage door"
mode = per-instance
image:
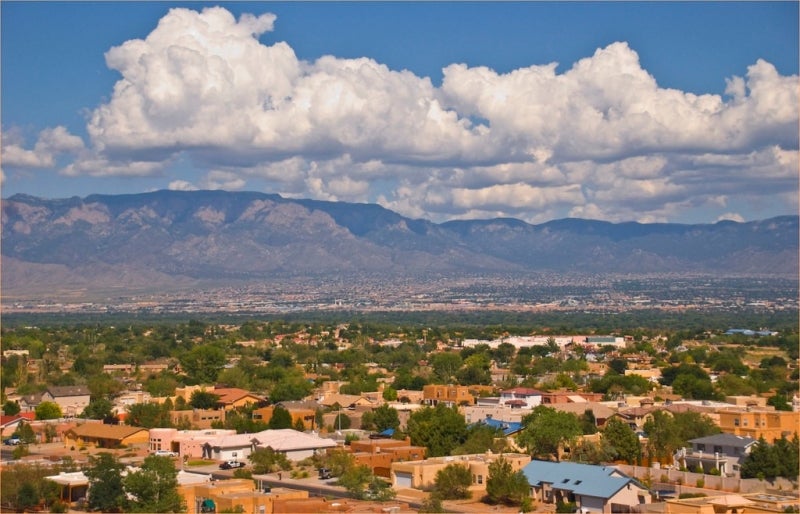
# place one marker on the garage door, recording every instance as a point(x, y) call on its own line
point(402, 479)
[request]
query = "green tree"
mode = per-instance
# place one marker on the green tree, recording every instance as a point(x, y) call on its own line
point(618, 365)
point(662, 436)
point(48, 410)
point(154, 487)
point(11, 408)
point(281, 418)
point(762, 462)
point(445, 365)
point(27, 497)
point(781, 459)
point(691, 425)
point(385, 417)
point(481, 438)
point(25, 433)
point(203, 363)
point(546, 431)
point(355, 480)
point(267, 460)
point(162, 385)
point(452, 482)
point(440, 429)
point(98, 409)
point(622, 440)
point(148, 415)
point(339, 461)
point(693, 388)
point(593, 453)
point(504, 485)
point(390, 394)
point(291, 387)
point(341, 422)
point(780, 402)
point(203, 400)
point(105, 481)
point(588, 422)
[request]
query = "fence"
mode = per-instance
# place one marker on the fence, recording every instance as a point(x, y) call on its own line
point(689, 482)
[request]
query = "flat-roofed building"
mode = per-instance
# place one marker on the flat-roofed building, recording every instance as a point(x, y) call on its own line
point(450, 395)
point(757, 423)
point(421, 474)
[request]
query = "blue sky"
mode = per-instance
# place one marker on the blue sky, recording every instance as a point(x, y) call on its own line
point(656, 111)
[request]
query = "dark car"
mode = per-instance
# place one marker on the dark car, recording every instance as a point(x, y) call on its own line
point(324, 473)
point(231, 464)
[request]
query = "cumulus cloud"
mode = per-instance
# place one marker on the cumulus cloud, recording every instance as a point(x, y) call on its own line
point(730, 216)
point(181, 185)
point(601, 139)
point(51, 143)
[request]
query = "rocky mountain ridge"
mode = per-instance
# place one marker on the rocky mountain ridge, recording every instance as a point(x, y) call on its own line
point(180, 237)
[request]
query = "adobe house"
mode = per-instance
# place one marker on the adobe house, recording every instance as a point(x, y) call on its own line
point(105, 436)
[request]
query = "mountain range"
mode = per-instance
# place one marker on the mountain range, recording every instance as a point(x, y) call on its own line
point(168, 239)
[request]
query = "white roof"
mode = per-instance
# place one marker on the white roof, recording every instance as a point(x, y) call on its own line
point(186, 478)
point(287, 439)
point(75, 478)
point(282, 440)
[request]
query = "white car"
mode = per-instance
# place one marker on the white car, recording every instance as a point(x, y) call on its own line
point(165, 453)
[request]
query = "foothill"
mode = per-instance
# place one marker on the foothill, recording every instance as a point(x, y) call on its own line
point(288, 416)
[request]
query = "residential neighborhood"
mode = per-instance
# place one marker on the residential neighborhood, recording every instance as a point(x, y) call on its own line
point(315, 421)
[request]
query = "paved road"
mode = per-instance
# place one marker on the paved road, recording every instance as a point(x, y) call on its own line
point(313, 485)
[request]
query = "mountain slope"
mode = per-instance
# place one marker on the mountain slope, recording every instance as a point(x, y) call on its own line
point(178, 237)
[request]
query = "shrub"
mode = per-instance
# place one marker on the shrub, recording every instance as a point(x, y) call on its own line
point(59, 506)
point(566, 506)
point(242, 473)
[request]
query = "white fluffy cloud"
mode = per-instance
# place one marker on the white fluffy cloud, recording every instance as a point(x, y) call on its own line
point(601, 139)
point(51, 143)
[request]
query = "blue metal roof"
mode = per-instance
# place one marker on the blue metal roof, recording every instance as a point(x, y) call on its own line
point(581, 479)
point(508, 427)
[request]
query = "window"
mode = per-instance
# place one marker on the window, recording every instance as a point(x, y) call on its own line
point(701, 447)
point(565, 481)
point(480, 479)
point(717, 449)
point(736, 422)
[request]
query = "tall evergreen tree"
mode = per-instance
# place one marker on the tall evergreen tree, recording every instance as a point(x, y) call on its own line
point(105, 482)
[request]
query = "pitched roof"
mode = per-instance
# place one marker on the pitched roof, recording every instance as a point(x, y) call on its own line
point(62, 391)
point(22, 416)
point(345, 400)
point(103, 431)
point(735, 441)
point(582, 479)
point(232, 394)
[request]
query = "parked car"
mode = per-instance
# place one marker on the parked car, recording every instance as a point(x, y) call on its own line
point(165, 453)
point(13, 441)
point(324, 473)
point(231, 464)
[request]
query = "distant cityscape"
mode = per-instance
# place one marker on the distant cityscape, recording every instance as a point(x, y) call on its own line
point(521, 293)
